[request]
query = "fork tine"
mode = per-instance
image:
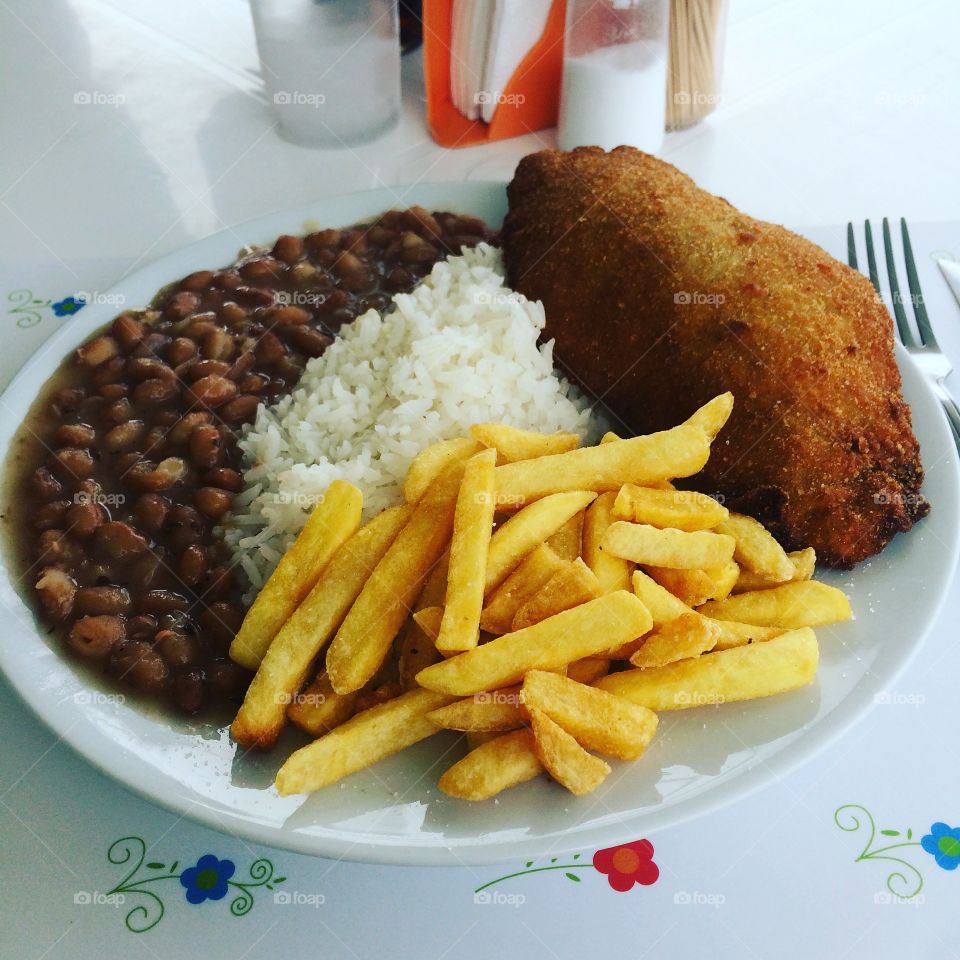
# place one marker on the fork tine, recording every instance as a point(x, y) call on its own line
point(903, 324)
point(927, 337)
point(852, 248)
point(871, 259)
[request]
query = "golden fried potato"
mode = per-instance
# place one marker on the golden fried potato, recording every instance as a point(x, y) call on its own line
point(599, 720)
point(432, 461)
point(742, 673)
point(503, 603)
point(483, 712)
point(567, 542)
point(677, 509)
point(569, 587)
point(756, 549)
point(803, 603)
point(695, 587)
point(492, 767)
point(687, 636)
point(319, 708)
point(678, 549)
point(612, 572)
point(332, 522)
point(804, 563)
point(512, 444)
point(563, 758)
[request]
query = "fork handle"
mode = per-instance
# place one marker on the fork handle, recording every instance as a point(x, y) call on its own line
point(950, 408)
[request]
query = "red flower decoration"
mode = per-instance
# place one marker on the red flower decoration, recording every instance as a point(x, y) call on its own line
point(628, 864)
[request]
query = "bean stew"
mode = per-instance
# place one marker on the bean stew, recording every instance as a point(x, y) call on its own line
point(129, 458)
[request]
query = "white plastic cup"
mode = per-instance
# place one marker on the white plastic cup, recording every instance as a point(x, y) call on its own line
point(331, 68)
point(614, 74)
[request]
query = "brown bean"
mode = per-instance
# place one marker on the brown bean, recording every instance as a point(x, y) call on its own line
point(94, 637)
point(123, 435)
point(181, 305)
point(242, 364)
point(148, 573)
point(128, 330)
point(67, 399)
point(149, 368)
point(111, 599)
point(186, 526)
point(181, 431)
point(219, 584)
point(50, 515)
point(224, 478)
point(197, 282)
point(206, 446)
point(213, 502)
point(177, 649)
point(84, 518)
point(44, 484)
point(252, 383)
point(150, 512)
point(74, 435)
point(232, 314)
point(240, 410)
point(97, 351)
point(57, 591)
point(161, 601)
point(349, 264)
point(163, 476)
point(119, 541)
point(140, 665)
point(270, 348)
point(212, 391)
point(309, 341)
point(218, 345)
point(193, 564)
point(290, 316)
point(55, 547)
point(188, 691)
point(423, 222)
point(227, 678)
point(110, 371)
point(154, 392)
point(141, 627)
point(261, 270)
point(288, 248)
point(113, 391)
point(120, 411)
point(303, 273)
point(73, 463)
point(208, 368)
point(180, 350)
point(221, 621)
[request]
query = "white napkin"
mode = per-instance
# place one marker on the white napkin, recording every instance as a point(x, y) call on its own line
point(488, 41)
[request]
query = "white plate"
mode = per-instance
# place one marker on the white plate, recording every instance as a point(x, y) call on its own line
point(393, 813)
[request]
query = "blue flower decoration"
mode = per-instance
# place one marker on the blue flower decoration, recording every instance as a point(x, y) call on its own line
point(943, 844)
point(208, 879)
point(68, 306)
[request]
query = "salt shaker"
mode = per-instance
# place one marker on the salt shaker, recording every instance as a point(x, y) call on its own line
point(331, 67)
point(614, 74)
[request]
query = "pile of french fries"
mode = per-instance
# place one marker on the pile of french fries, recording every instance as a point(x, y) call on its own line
point(546, 600)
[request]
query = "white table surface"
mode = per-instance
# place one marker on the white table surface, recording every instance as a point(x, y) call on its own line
point(832, 111)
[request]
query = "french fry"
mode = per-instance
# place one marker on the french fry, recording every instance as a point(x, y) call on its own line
point(472, 529)
point(679, 452)
point(678, 509)
point(803, 561)
point(581, 632)
point(588, 669)
point(610, 436)
point(375, 694)
point(563, 758)
point(695, 587)
point(375, 619)
point(476, 738)
point(687, 636)
point(319, 708)
point(492, 767)
point(512, 444)
point(743, 673)
point(483, 712)
point(360, 742)
point(289, 657)
point(667, 548)
point(567, 542)
point(596, 719)
point(429, 620)
point(804, 603)
point(612, 572)
point(527, 529)
point(503, 603)
point(576, 583)
point(756, 549)
point(664, 607)
point(332, 522)
point(432, 461)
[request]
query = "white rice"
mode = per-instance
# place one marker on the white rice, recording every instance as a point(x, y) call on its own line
point(459, 349)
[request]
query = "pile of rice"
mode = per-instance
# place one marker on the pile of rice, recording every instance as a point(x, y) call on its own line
point(460, 349)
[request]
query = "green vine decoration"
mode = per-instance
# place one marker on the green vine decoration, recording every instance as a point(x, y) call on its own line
point(209, 879)
point(530, 868)
point(908, 878)
point(26, 308)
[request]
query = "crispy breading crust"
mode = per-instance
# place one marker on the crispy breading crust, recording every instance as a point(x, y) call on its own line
point(661, 295)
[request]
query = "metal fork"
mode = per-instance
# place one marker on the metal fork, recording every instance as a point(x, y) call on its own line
point(925, 352)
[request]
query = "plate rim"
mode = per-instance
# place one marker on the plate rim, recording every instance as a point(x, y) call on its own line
point(223, 245)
